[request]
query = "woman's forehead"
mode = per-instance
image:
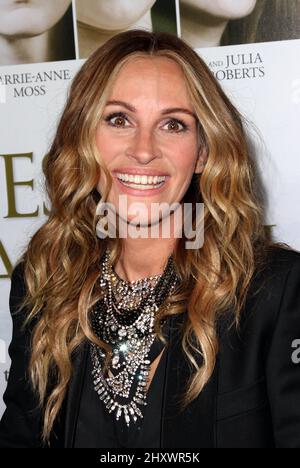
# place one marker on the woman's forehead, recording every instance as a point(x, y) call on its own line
point(158, 75)
point(159, 66)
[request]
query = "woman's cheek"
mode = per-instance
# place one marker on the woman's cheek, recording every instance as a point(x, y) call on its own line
point(54, 11)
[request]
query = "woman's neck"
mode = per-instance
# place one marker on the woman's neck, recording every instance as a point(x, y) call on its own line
point(200, 29)
point(15, 51)
point(147, 255)
point(141, 258)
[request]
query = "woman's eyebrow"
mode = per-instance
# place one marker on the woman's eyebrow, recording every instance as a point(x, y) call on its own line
point(164, 111)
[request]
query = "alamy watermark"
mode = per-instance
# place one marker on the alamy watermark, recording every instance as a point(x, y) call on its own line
point(296, 353)
point(163, 221)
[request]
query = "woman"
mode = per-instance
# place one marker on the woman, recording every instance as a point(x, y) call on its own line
point(142, 342)
point(36, 31)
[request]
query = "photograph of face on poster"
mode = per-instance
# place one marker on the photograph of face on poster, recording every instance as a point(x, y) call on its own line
point(99, 20)
point(206, 23)
point(35, 31)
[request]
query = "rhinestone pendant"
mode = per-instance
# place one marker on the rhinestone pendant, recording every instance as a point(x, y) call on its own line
point(115, 361)
point(122, 333)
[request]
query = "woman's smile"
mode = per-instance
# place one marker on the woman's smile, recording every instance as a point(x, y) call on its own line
point(140, 182)
point(141, 185)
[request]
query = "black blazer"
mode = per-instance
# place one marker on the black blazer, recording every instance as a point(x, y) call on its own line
point(251, 401)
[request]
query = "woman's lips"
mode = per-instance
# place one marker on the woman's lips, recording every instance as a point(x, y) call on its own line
point(141, 192)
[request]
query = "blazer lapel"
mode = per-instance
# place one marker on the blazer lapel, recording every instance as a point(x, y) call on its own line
point(195, 426)
point(74, 395)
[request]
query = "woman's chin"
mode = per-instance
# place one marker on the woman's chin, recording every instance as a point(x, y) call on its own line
point(138, 223)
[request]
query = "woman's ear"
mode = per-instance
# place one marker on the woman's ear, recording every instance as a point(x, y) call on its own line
point(201, 161)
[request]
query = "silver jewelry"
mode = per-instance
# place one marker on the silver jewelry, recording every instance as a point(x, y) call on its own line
point(125, 319)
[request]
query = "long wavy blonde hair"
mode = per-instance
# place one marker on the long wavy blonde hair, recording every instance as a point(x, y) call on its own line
point(61, 262)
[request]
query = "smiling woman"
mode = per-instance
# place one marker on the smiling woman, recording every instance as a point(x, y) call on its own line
point(35, 31)
point(152, 154)
point(130, 341)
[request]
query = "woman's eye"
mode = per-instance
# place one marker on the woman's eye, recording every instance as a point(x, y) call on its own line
point(174, 126)
point(119, 119)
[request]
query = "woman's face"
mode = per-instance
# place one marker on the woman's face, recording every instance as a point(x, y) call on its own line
point(144, 135)
point(229, 9)
point(30, 17)
point(112, 15)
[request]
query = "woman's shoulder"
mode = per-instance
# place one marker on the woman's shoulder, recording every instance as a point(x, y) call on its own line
point(279, 261)
point(278, 282)
point(283, 256)
point(18, 292)
point(18, 285)
point(277, 276)
point(17, 276)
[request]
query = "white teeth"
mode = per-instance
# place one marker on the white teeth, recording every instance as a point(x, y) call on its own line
point(143, 186)
point(143, 179)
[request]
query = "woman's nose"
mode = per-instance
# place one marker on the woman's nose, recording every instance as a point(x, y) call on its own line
point(143, 147)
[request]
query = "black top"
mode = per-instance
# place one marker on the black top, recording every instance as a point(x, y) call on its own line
point(252, 399)
point(97, 428)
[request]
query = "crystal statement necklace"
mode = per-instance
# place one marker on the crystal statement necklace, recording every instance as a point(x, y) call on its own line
point(124, 318)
